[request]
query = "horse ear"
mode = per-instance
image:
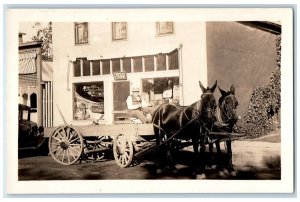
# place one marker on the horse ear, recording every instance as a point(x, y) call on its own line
point(222, 91)
point(201, 86)
point(232, 89)
point(214, 87)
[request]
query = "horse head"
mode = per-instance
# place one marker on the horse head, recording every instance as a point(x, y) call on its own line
point(228, 104)
point(208, 102)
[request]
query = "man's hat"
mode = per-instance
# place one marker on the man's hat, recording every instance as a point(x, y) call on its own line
point(135, 89)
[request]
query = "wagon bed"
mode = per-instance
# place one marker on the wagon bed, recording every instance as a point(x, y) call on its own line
point(110, 130)
point(70, 143)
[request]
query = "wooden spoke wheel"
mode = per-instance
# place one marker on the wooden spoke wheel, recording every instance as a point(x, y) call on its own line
point(65, 145)
point(123, 151)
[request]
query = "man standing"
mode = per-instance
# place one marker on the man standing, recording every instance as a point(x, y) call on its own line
point(137, 106)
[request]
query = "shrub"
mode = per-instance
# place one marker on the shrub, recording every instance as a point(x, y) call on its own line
point(264, 106)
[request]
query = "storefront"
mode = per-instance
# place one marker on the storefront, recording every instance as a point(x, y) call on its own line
point(97, 64)
point(157, 77)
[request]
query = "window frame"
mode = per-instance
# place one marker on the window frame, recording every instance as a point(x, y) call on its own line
point(158, 28)
point(85, 28)
point(114, 35)
point(87, 102)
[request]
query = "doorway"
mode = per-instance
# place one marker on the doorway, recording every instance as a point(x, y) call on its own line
point(121, 90)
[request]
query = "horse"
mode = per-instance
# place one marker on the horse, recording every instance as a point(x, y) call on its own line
point(226, 119)
point(173, 123)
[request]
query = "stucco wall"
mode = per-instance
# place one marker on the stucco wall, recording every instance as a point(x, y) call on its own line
point(239, 55)
point(141, 40)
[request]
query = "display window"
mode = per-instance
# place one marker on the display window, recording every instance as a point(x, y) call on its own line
point(88, 101)
point(157, 91)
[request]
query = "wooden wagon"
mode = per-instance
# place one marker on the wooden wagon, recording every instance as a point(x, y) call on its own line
point(70, 143)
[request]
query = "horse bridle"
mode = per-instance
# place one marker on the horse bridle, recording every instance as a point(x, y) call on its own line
point(226, 107)
point(212, 110)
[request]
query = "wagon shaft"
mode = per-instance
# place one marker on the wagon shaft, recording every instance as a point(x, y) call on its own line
point(225, 134)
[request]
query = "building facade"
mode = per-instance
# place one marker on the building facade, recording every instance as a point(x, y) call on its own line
point(95, 64)
point(243, 54)
point(35, 82)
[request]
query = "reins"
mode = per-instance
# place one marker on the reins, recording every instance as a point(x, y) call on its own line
point(170, 138)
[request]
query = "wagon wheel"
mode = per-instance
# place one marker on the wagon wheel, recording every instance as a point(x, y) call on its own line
point(123, 151)
point(65, 145)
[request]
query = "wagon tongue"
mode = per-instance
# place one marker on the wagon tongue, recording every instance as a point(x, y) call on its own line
point(145, 151)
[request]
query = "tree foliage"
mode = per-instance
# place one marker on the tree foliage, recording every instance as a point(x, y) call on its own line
point(263, 113)
point(44, 34)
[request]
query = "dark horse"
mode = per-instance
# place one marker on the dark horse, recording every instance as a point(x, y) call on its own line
point(226, 119)
point(173, 123)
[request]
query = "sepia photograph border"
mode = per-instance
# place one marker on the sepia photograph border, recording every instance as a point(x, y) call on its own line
point(284, 185)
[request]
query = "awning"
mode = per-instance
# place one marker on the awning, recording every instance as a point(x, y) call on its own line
point(27, 62)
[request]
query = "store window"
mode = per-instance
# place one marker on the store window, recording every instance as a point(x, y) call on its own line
point(106, 66)
point(86, 68)
point(77, 69)
point(127, 65)
point(149, 63)
point(119, 30)
point(173, 60)
point(96, 67)
point(137, 64)
point(164, 28)
point(161, 62)
point(88, 101)
point(157, 91)
point(81, 33)
point(116, 65)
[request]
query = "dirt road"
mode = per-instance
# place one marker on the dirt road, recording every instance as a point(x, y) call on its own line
point(45, 168)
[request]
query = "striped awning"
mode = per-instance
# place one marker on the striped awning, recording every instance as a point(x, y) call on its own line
point(27, 62)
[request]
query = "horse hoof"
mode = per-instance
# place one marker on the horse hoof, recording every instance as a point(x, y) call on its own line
point(174, 171)
point(233, 173)
point(201, 176)
point(221, 174)
point(226, 172)
point(158, 171)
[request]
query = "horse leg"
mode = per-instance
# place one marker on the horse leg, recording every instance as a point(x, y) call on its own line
point(170, 161)
point(200, 163)
point(159, 152)
point(195, 165)
point(219, 159)
point(229, 159)
point(211, 155)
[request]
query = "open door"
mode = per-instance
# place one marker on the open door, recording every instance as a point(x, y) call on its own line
point(121, 90)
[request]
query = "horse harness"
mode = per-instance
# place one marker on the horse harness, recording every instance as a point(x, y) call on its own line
point(220, 109)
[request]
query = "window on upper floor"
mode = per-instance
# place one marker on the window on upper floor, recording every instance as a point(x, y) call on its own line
point(119, 30)
point(81, 32)
point(164, 28)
